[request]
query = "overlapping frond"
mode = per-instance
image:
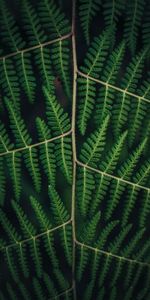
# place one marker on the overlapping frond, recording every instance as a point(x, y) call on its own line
point(87, 12)
point(93, 64)
point(133, 20)
point(53, 18)
point(10, 33)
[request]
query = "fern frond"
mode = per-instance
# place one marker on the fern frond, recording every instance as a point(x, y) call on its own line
point(23, 291)
point(104, 269)
point(36, 256)
point(87, 94)
point(10, 34)
point(59, 211)
point(26, 75)
point(87, 237)
point(61, 62)
point(138, 111)
point(14, 166)
point(64, 156)
point(9, 81)
point(89, 231)
point(134, 13)
point(61, 216)
point(93, 64)
point(57, 119)
point(9, 228)
point(92, 149)
point(46, 150)
point(128, 250)
point(116, 190)
point(117, 272)
point(106, 231)
point(87, 11)
point(129, 83)
point(31, 24)
point(49, 285)
point(83, 260)
point(11, 292)
point(27, 228)
point(128, 166)
point(5, 143)
point(38, 290)
point(143, 253)
point(145, 208)
point(32, 165)
point(44, 222)
point(129, 203)
point(110, 72)
point(44, 66)
point(9, 257)
point(18, 126)
point(101, 188)
point(53, 19)
point(112, 11)
point(22, 258)
point(3, 182)
point(60, 123)
point(85, 186)
point(146, 27)
point(114, 246)
point(109, 165)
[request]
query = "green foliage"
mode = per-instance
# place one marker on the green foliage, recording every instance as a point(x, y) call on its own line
point(74, 149)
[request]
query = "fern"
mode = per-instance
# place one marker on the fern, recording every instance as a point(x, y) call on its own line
point(134, 15)
point(11, 37)
point(93, 65)
point(74, 150)
point(87, 11)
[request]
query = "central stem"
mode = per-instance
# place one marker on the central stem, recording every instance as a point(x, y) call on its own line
point(74, 140)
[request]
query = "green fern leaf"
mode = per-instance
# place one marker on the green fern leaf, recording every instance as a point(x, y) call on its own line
point(128, 250)
point(106, 94)
point(10, 34)
point(44, 66)
point(109, 165)
point(112, 10)
point(14, 165)
point(26, 75)
point(87, 11)
point(138, 111)
point(18, 127)
point(129, 83)
point(9, 228)
point(5, 144)
point(127, 168)
point(146, 27)
point(46, 150)
point(38, 289)
point(61, 60)
point(93, 64)
point(53, 19)
point(22, 258)
point(3, 182)
point(44, 222)
point(59, 123)
point(134, 14)
point(32, 165)
point(106, 231)
point(31, 24)
point(92, 149)
point(57, 119)
point(85, 186)
point(59, 211)
point(9, 81)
